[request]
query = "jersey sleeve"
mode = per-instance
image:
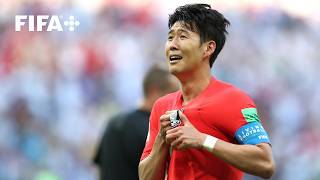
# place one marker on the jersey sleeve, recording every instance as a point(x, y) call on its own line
point(243, 122)
point(252, 132)
point(154, 124)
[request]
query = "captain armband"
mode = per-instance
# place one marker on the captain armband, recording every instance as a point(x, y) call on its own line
point(252, 133)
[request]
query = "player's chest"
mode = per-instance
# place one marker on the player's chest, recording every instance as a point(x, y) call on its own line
point(206, 115)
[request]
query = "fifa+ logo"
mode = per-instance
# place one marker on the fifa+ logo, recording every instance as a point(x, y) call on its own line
point(45, 23)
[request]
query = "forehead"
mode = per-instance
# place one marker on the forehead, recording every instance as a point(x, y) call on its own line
point(180, 26)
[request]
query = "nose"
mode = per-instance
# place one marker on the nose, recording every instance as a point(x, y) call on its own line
point(174, 45)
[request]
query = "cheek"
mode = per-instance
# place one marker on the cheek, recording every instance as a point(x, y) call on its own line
point(166, 48)
point(195, 52)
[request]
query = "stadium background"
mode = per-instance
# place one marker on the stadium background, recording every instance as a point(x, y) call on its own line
point(58, 89)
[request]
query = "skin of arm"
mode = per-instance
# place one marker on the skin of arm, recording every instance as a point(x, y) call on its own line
point(253, 159)
point(154, 166)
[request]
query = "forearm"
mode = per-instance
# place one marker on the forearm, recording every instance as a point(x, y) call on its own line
point(154, 166)
point(252, 159)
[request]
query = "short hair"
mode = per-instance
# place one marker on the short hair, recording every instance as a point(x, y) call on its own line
point(209, 23)
point(157, 77)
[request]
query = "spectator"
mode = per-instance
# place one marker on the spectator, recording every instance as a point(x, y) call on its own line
point(122, 143)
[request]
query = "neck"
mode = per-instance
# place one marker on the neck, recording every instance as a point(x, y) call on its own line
point(193, 85)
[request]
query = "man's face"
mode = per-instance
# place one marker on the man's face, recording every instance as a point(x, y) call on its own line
point(183, 51)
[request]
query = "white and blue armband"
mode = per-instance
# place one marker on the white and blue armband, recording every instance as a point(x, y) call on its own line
point(251, 133)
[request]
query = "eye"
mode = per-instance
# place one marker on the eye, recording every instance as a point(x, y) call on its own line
point(183, 37)
point(170, 38)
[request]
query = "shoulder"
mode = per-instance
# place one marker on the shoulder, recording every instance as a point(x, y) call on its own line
point(119, 120)
point(167, 99)
point(231, 92)
point(164, 104)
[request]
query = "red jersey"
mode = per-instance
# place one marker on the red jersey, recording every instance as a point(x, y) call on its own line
point(217, 111)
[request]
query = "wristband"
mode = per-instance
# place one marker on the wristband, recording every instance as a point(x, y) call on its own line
point(209, 143)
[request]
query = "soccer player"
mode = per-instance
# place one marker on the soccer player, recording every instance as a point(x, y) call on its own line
point(123, 141)
point(220, 135)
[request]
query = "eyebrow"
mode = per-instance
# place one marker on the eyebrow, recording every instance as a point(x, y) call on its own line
point(179, 30)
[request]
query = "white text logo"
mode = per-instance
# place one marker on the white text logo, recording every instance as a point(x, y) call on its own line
point(45, 23)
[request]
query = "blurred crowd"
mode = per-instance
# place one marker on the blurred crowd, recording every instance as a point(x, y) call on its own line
point(58, 89)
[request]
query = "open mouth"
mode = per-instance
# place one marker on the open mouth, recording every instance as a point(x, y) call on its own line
point(175, 58)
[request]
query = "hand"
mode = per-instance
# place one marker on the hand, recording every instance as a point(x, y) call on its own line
point(165, 124)
point(186, 136)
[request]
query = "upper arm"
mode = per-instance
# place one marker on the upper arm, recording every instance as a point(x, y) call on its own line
point(243, 122)
point(152, 131)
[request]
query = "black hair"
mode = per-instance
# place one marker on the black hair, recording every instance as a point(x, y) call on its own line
point(209, 23)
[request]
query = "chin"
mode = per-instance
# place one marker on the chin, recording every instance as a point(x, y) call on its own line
point(174, 71)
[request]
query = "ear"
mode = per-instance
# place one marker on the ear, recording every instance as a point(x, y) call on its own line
point(210, 47)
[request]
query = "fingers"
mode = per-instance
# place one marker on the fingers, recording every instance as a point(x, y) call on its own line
point(164, 131)
point(171, 131)
point(172, 134)
point(169, 112)
point(165, 121)
point(180, 143)
point(180, 137)
point(165, 117)
point(165, 125)
point(183, 137)
point(177, 138)
point(176, 141)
